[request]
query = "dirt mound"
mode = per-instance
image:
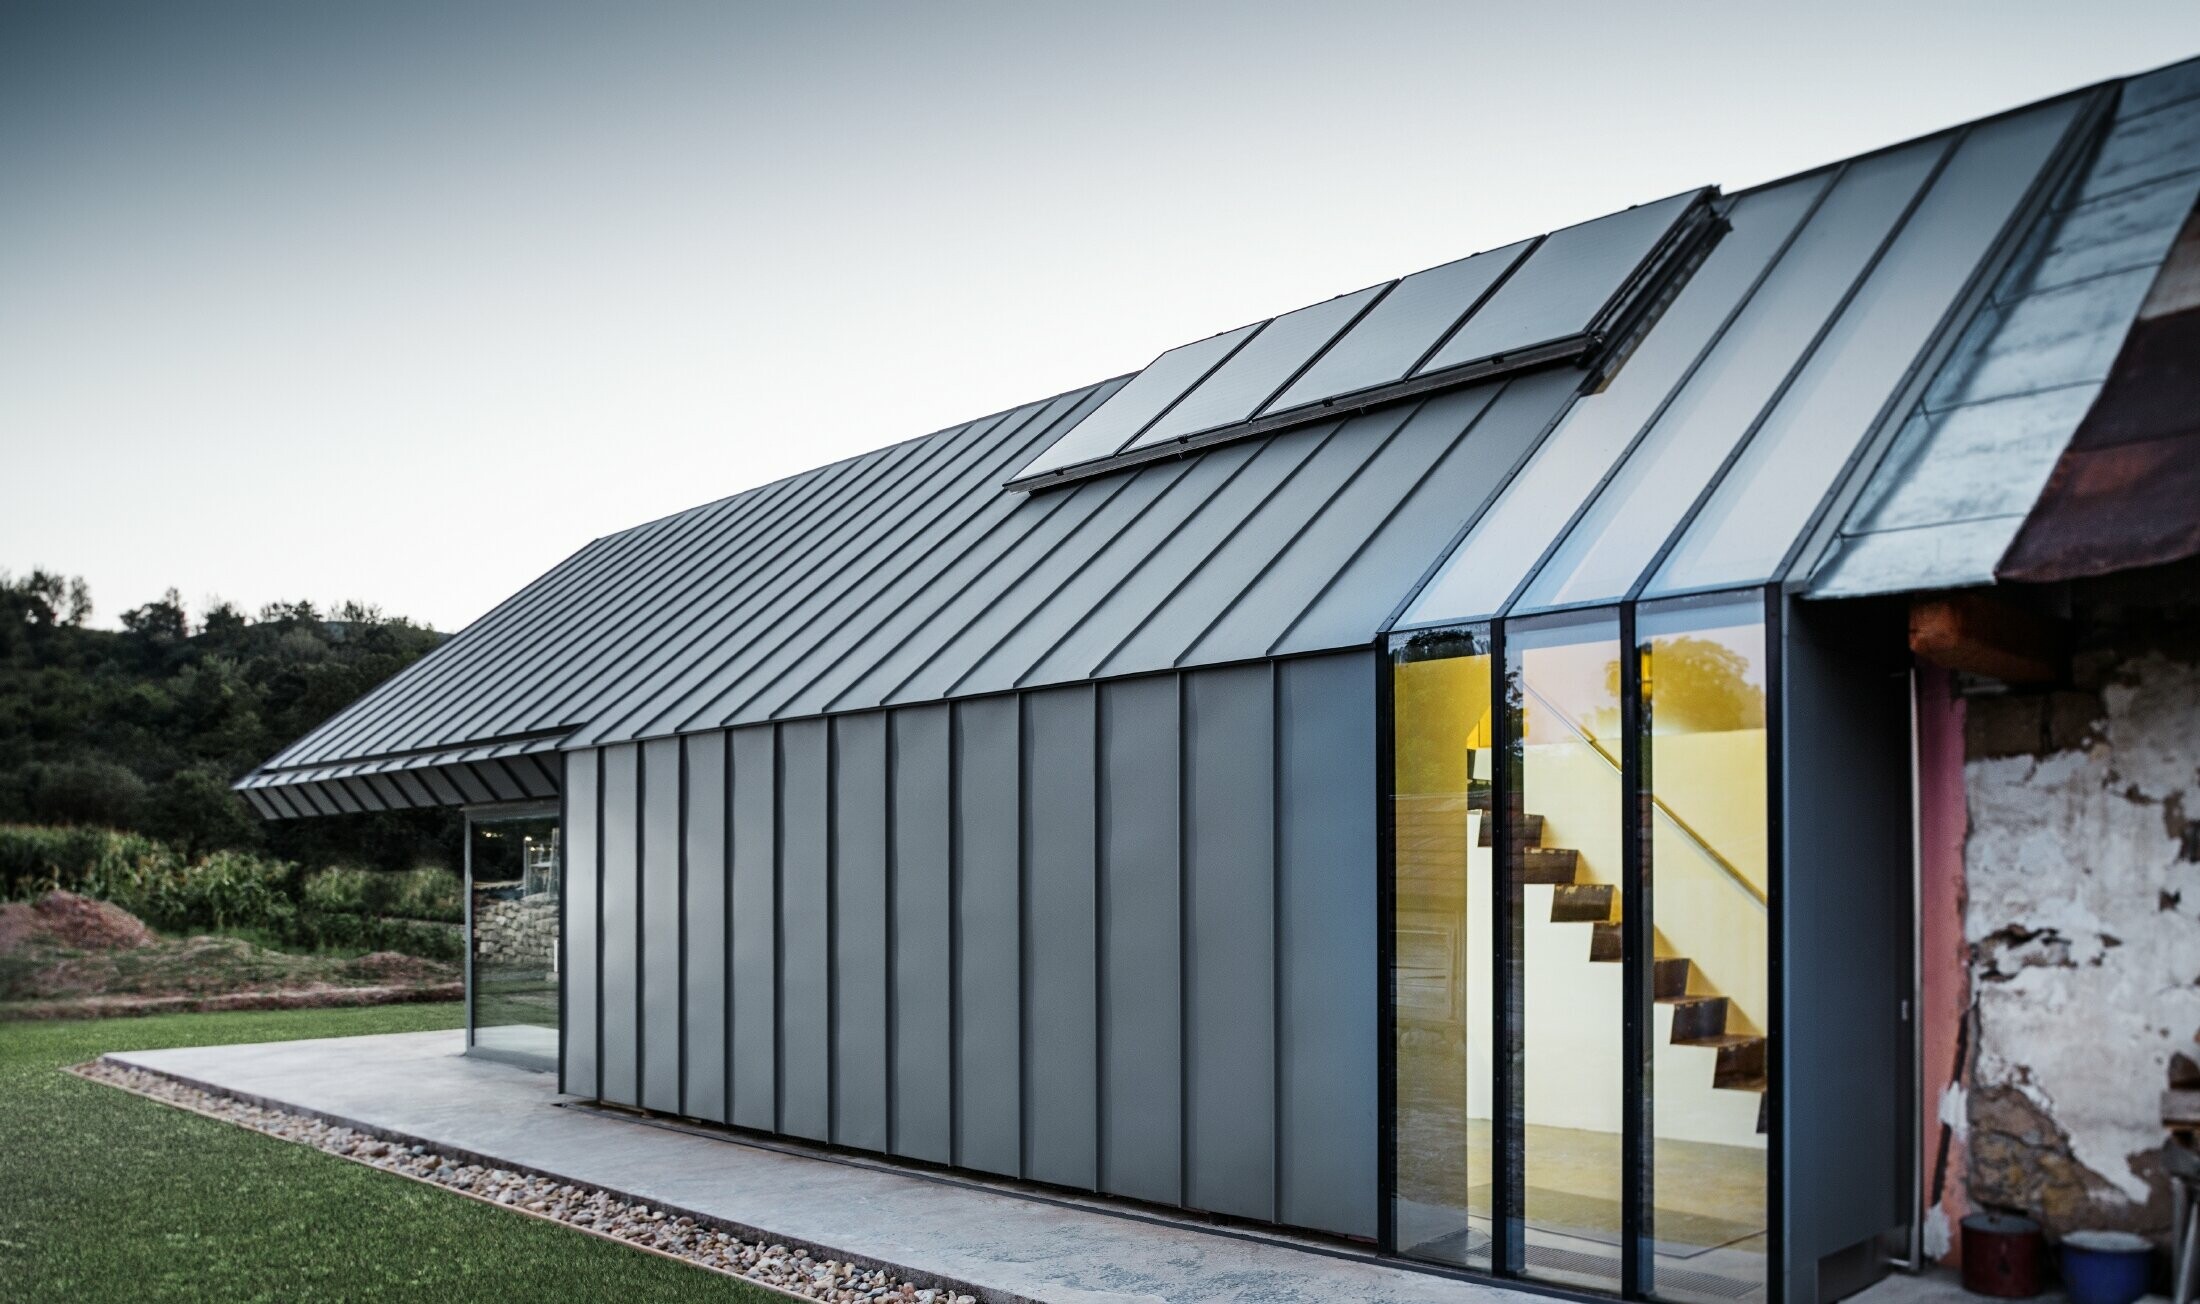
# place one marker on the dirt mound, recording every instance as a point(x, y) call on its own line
point(66, 919)
point(397, 967)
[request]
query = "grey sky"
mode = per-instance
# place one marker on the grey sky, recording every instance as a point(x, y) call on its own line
point(404, 302)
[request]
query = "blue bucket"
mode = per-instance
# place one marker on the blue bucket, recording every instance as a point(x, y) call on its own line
point(2105, 1267)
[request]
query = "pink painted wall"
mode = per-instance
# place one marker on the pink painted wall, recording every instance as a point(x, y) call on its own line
point(1944, 980)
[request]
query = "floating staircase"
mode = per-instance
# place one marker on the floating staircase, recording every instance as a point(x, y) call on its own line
point(1699, 1018)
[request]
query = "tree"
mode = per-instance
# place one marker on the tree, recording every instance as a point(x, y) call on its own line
point(162, 622)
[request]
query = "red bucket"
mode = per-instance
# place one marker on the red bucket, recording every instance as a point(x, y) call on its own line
point(2001, 1255)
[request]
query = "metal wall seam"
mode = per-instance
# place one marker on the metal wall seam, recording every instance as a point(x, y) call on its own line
point(1099, 949)
point(598, 934)
point(777, 793)
point(889, 849)
point(1385, 950)
point(730, 1031)
point(832, 929)
point(680, 969)
point(954, 937)
point(1183, 948)
point(1276, 987)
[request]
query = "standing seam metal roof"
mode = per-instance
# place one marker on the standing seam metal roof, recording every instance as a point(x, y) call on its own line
point(908, 575)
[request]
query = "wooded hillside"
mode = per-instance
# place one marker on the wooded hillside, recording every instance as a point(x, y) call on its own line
point(145, 728)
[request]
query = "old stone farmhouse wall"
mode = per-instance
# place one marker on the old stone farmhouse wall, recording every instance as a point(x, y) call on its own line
point(2082, 869)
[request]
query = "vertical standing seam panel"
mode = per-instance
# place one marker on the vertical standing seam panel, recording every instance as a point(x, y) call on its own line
point(577, 1038)
point(1327, 1106)
point(1060, 955)
point(805, 923)
point(1141, 1071)
point(1229, 971)
point(621, 888)
point(754, 813)
point(859, 930)
point(921, 989)
point(988, 927)
point(704, 1034)
point(660, 935)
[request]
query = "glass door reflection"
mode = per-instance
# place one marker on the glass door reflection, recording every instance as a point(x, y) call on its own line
point(515, 878)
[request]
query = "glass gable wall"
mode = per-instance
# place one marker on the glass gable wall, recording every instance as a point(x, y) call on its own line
point(1584, 699)
point(1581, 948)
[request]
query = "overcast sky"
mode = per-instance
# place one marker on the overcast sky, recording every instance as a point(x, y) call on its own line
point(404, 302)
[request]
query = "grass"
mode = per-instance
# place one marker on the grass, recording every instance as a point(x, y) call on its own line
point(108, 1196)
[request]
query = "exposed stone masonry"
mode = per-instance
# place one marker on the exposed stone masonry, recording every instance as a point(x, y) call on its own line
point(516, 934)
point(2083, 915)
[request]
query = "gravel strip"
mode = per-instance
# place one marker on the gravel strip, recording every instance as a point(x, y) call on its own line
point(790, 1270)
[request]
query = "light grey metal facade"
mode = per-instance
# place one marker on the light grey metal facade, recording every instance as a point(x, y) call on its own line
point(1117, 936)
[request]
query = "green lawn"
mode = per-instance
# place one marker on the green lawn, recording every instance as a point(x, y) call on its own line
point(108, 1196)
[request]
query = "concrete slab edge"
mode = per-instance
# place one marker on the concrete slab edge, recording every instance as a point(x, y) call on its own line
point(461, 1154)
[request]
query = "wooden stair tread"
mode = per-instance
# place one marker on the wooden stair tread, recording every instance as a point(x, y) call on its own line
point(1718, 1041)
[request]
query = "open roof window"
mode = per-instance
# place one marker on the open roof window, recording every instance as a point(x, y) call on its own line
point(1556, 298)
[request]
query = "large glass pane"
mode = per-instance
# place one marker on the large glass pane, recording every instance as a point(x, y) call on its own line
point(1704, 751)
point(1563, 683)
point(1142, 398)
point(1637, 511)
point(1790, 465)
point(1244, 384)
point(1495, 556)
point(1441, 728)
point(1565, 283)
point(1399, 331)
point(515, 879)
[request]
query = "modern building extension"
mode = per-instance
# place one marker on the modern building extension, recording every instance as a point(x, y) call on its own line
point(1436, 768)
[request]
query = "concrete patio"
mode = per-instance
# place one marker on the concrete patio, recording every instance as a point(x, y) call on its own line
point(1001, 1244)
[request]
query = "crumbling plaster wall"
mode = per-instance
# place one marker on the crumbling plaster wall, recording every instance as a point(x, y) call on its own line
point(2082, 869)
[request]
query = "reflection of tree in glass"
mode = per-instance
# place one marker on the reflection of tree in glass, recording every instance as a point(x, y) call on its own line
point(1696, 685)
